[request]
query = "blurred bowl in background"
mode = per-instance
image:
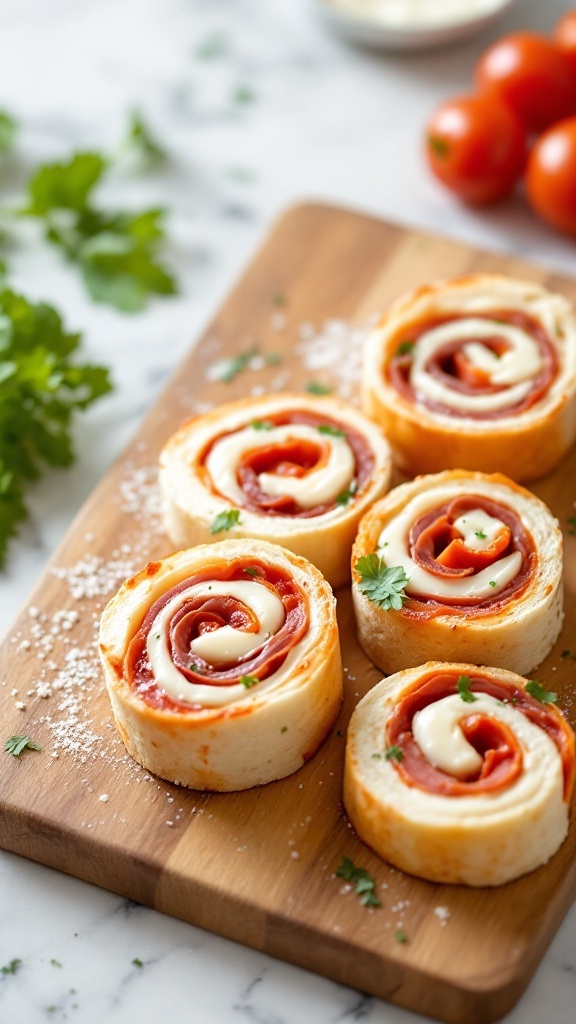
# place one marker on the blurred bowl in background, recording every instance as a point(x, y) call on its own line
point(408, 24)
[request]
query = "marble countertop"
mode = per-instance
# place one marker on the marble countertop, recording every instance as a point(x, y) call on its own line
point(320, 120)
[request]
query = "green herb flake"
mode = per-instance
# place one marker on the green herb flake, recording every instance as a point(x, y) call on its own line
point(226, 370)
point(250, 570)
point(137, 962)
point(140, 140)
point(535, 689)
point(279, 300)
point(383, 585)
point(568, 654)
point(225, 520)
point(248, 681)
point(243, 95)
point(284, 728)
point(8, 129)
point(16, 744)
point(571, 526)
point(492, 583)
point(463, 684)
point(193, 666)
point(480, 534)
point(12, 967)
point(55, 963)
point(326, 428)
point(400, 935)
point(438, 146)
point(394, 753)
point(272, 358)
point(405, 348)
point(362, 880)
point(314, 387)
point(346, 496)
point(261, 425)
point(377, 757)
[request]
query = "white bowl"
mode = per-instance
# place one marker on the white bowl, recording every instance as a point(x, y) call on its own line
point(381, 24)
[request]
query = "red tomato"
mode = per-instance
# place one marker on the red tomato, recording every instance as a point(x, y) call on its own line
point(565, 38)
point(477, 147)
point(551, 176)
point(529, 73)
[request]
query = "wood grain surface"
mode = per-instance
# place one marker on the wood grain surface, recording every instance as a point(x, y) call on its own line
point(259, 866)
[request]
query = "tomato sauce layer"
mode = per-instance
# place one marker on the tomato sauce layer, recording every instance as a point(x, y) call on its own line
point(493, 740)
point(205, 613)
point(297, 458)
point(450, 366)
point(436, 546)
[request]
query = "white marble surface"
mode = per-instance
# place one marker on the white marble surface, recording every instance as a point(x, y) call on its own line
point(327, 122)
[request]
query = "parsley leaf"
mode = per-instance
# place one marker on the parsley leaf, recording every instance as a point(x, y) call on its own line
point(363, 882)
point(346, 496)
point(250, 570)
point(225, 520)
point(535, 689)
point(261, 425)
point(12, 967)
point(463, 684)
point(140, 141)
point(326, 428)
point(394, 753)
point(314, 387)
point(382, 585)
point(40, 387)
point(405, 348)
point(248, 681)
point(16, 744)
point(8, 129)
point(480, 534)
point(137, 962)
point(400, 935)
point(116, 252)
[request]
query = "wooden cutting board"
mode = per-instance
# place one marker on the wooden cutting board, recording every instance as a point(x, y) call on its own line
point(259, 866)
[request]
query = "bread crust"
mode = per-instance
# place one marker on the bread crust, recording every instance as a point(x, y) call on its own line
point(473, 840)
point(190, 505)
point(517, 637)
point(525, 445)
point(250, 741)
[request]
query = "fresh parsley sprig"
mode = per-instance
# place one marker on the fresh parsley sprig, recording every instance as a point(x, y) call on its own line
point(225, 520)
point(362, 880)
point(463, 684)
point(40, 388)
point(381, 584)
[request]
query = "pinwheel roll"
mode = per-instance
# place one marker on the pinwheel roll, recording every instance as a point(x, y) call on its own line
point(223, 664)
point(293, 469)
point(475, 373)
point(460, 774)
point(462, 566)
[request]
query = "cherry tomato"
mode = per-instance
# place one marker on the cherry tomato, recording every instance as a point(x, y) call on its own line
point(532, 75)
point(565, 38)
point(551, 176)
point(477, 147)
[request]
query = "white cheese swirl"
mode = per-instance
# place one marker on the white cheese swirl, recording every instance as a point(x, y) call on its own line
point(320, 485)
point(394, 548)
point(218, 646)
point(514, 371)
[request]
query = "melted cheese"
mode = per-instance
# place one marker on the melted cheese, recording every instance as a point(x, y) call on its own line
point(216, 647)
point(393, 547)
point(514, 371)
point(478, 529)
point(319, 486)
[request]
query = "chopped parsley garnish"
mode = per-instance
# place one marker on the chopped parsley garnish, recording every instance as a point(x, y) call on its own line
point(480, 534)
point(12, 967)
point(405, 348)
point(492, 583)
point(248, 681)
point(438, 146)
point(381, 584)
point(346, 496)
point(394, 753)
point(314, 387)
point(463, 685)
point(137, 962)
point(139, 139)
point(16, 744)
point(362, 880)
point(284, 728)
point(250, 570)
point(400, 935)
point(325, 428)
point(225, 520)
point(572, 526)
point(279, 299)
point(261, 425)
point(55, 963)
point(193, 666)
point(377, 757)
point(535, 689)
